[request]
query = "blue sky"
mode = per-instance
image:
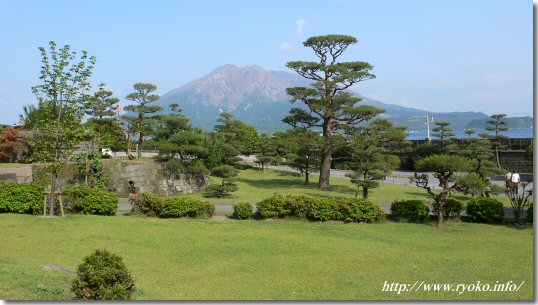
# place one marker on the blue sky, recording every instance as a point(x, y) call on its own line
point(470, 55)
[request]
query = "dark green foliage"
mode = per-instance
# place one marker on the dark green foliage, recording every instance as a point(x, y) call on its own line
point(529, 153)
point(530, 212)
point(410, 210)
point(486, 210)
point(103, 276)
point(74, 194)
point(185, 206)
point(471, 184)
point(452, 209)
point(147, 204)
point(319, 209)
point(243, 210)
point(228, 174)
point(22, 198)
point(98, 202)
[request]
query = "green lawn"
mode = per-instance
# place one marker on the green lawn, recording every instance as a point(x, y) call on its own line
point(255, 186)
point(265, 260)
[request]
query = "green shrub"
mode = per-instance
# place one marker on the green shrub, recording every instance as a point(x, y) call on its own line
point(359, 210)
point(185, 206)
point(147, 204)
point(243, 210)
point(410, 210)
point(323, 210)
point(274, 206)
point(529, 213)
point(452, 209)
point(22, 198)
point(99, 202)
point(73, 194)
point(103, 276)
point(300, 206)
point(488, 210)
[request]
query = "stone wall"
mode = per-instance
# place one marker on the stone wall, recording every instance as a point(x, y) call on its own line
point(147, 175)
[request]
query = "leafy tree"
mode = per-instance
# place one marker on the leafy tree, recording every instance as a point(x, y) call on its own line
point(104, 127)
point(266, 151)
point(307, 155)
point(56, 120)
point(478, 151)
point(444, 168)
point(142, 97)
point(227, 173)
point(471, 183)
point(332, 108)
point(227, 140)
point(469, 133)
point(497, 125)
point(371, 154)
point(444, 133)
point(179, 145)
point(11, 144)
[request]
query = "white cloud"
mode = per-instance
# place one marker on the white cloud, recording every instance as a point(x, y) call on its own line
point(301, 24)
point(286, 47)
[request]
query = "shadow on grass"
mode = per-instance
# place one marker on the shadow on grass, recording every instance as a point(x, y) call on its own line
point(272, 183)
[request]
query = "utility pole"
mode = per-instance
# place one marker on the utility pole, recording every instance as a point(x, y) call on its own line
point(428, 126)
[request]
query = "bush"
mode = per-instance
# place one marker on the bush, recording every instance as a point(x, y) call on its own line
point(274, 206)
point(486, 210)
point(74, 194)
point(147, 204)
point(185, 206)
point(99, 202)
point(103, 276)
point(323, 210)
point(22, 198)
point(410, 210)
point(359, 210)
point(243, 210)
point(301, 206)
point(529, 213)
point(452, 208)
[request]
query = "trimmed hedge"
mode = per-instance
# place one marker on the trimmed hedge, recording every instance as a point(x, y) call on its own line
point(243, 210)
point(22, 198)
point(483, 209)
point(318, 209)
point(98, 202)
point(147, 204)
point(185, 206)
point(453, 208)
point(410, 210)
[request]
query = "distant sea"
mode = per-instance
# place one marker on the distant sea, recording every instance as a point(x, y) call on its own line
point(460, 134)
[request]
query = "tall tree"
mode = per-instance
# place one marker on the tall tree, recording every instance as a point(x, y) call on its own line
point(331, 107)
point(372, 157)
point(105, 130)
point(143, 97)
point(496, 125)
point(228, 139)
point(62, 97)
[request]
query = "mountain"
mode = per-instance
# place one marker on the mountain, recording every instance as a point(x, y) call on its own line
point(258, 97)
point(515, 122)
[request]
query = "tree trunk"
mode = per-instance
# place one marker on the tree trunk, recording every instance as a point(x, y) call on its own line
point(306, 178)
point(364, 192)
point(326, 157)
point(52, 192)
point(441, 214)
point(497, 157)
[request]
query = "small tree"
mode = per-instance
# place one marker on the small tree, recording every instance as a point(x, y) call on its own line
point(105, 129)
point(496, 125)
point(55, 124)
point(307, 156)
point(444, 134)
point(478, 151)
point(519, 199)
point(444, 168)
point(143, 97)
point(266, 151)
point(227, 173)
point(11, 144)
point(332, 108)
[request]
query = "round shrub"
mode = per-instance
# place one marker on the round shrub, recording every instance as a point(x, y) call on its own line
point(410, 210)
point(243, 210)
point(274, 206)
point(103, 276)
point(185, 206)
point(529, 213)
point(99, 202)
point(22, 198)
point(300, 206)
point(359, 210)
point(73, 194)
point(452, 209)
point(323, 210)
point(147, 204)
point(483, 209)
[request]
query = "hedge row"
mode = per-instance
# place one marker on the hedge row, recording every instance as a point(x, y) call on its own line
point(22, 198)
point(81, 199)
point(149, 204)
point(318, 209)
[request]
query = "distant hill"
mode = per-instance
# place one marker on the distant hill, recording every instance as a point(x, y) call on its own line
point(259, 98)
point(515, 122)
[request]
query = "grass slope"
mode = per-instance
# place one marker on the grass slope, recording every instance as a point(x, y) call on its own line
point(265, 260)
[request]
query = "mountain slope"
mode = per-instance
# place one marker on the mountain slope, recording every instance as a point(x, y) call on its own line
point(259, 98)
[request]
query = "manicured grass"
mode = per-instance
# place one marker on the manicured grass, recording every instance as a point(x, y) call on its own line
point(265, 260)
point(255, 185)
